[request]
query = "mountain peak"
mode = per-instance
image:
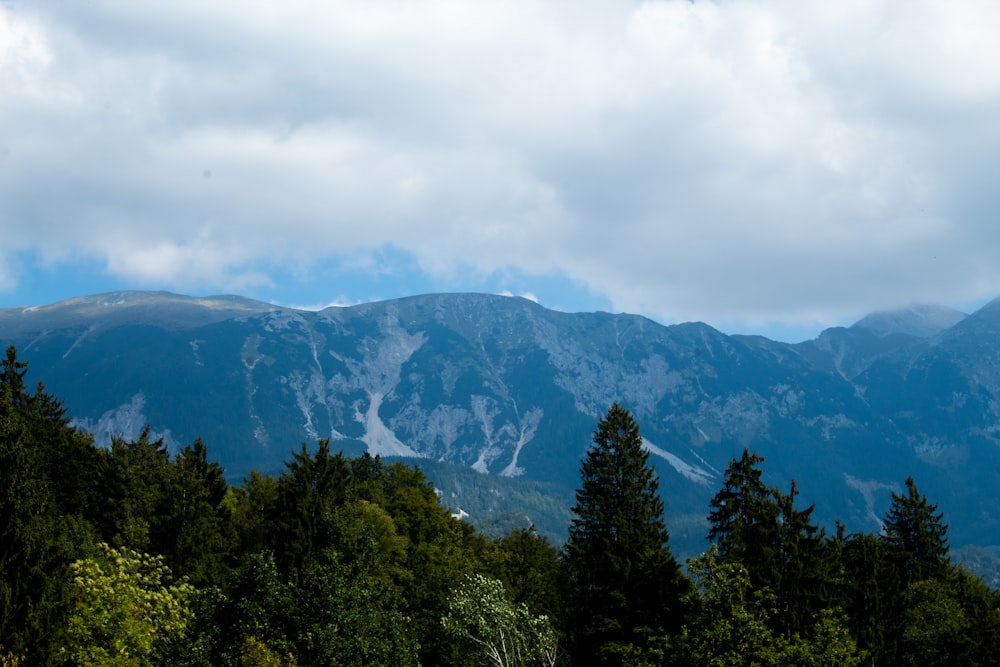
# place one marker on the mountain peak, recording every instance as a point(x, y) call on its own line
point(920, 320)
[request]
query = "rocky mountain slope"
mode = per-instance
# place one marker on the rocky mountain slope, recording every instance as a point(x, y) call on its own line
point(498, 397)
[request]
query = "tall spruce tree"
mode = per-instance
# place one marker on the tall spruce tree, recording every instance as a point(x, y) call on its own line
point(625, 582)
point(915, 533)
point(871, 595)
point(309, 492)
point(38, 538)
point(807, 567)
point(744, 520)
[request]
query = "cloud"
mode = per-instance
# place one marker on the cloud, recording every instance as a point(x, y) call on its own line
point(729, 162)
point(527, 295)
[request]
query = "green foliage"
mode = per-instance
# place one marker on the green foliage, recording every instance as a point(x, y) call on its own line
point(196, 520)
point(252, 506)
point(9, 659)
point(807, 565)
point(731, 624)
point(355, 562)
point(349, 613)
point(915, 533)
point(744, 519)
point(309, 493)
point(872, 595)
point(502, 633)
point(762, 530)
point(934, 625)
point(529, 565)
point(41, 529)
point(255, 653)
point(831, 644)
point(258, 604)
point(126, 609)
point(624, 582)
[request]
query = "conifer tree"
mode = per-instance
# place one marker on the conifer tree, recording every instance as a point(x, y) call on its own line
point(136, 474)
point(38, 537)
point(625, 582)
point(197, 522)
point(871, 595)
point(915, 533)
point(744, 520)
point(309, 492)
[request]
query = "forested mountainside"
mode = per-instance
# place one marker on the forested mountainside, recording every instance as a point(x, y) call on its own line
point(135, 555)
point(497, 397)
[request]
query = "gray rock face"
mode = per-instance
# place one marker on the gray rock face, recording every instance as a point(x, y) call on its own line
point(506, 388)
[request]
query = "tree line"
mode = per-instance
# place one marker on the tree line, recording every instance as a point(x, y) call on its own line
point(133, 555)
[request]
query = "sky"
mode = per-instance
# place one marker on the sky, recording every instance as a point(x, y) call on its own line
point(764, 166)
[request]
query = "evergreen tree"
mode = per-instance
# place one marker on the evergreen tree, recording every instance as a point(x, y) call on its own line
point(136, 483)
point(309, 492)
point(260, 605)
point(197, 522)
point(625, 583)
point(915, 533)
point(807, 567)
point(253, 506)
point(871, 595)
point(744, 521)
point(39, 534)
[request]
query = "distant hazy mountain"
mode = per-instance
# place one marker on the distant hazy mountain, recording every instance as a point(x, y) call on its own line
point(498, 397)
point(921, 321)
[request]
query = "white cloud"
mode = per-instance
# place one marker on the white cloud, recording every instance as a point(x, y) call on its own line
point(736, 161)
point(526, 295)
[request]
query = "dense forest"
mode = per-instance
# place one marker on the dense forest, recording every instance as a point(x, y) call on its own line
point(133, 555)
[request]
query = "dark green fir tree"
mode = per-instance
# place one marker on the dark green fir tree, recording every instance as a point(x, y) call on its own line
point(916, 535)
point(744, 520)
point(625, 584)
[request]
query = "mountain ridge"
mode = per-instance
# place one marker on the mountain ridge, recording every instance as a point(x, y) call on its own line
point(503, 387)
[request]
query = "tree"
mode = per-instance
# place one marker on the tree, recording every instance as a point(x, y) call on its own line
point(501, 632)
point(41, 530)
point(197, 524)
point(807, 567)
point(731, 624)
point(744, 520)
point(252, 506)
point(625, 582)
point(935, 626)
point(916, 536)
point(529, 567)
point(350, 615)
point(730, 620)
point(309, 492)
point(136, 475)
point(259, 604)
point(256, 654)
point(125, 609)
point(871, 595)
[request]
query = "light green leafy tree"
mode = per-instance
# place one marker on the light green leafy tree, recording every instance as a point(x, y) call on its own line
point(255, 653)
point(9, 659)
point(125, 609)
point(503, 633)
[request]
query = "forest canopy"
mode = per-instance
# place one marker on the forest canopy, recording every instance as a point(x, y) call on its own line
point(133, 554)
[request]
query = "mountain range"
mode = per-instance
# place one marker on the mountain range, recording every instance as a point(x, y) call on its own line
point(496, 398)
